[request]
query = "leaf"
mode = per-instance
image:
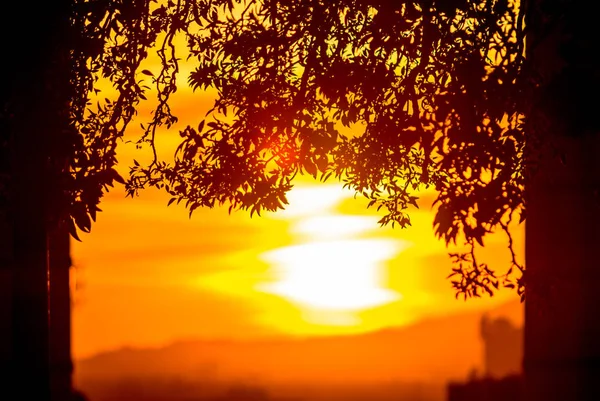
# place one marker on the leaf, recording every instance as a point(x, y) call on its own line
point(321, 162)
point(325, 176)
point(84, 222)
point(73, 230)
point(479, 239)
point(93, 211)
point(193, 207)
point(310, 167)
point(116, 176)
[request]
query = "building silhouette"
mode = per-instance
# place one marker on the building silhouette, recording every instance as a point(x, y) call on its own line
point(502, 360)
point(503, 347)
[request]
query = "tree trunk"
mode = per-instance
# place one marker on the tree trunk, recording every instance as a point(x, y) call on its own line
point(30, 353)
point(33, 114)
point(562, 328)
point(61, 366)
point(5, 280)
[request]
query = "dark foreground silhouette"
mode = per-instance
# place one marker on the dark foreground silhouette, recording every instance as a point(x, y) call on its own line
point(502, 359)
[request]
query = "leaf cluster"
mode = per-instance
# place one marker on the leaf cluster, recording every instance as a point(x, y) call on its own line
point(389, 97)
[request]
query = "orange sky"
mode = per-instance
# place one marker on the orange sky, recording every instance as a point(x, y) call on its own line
point(148, 275)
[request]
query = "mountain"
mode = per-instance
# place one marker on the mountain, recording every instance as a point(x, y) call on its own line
point(432, 351)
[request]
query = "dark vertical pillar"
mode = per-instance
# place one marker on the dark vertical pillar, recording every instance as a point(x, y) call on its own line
point(61, 366)
point(5, 294)
point(562, 320)
point(30, 308)
point(29, 362)
point(33, 115)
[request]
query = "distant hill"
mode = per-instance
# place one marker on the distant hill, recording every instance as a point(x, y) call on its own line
point(431, 351)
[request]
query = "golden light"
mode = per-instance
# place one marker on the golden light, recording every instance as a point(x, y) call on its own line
point(312, 200)
point(333, 226)
point(329, 270)
point(339, 275)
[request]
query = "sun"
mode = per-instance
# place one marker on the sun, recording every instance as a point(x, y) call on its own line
point(333, 275)
point(329, 266)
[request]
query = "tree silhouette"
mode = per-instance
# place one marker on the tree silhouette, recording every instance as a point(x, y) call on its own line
point(36, 142)
point(463, 96)
point(436, 95)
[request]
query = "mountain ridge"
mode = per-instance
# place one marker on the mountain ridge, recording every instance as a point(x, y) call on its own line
point(435, 349)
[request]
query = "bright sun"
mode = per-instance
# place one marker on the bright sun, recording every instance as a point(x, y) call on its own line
point(341, 275)
point(330, 268)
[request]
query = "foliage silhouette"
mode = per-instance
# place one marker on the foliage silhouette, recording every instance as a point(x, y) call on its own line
point(435, 93)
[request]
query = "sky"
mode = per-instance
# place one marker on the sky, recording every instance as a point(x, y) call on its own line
point(148, 275)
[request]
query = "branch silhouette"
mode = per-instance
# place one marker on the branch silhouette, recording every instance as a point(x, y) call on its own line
point(435, 94)
point(389, 97)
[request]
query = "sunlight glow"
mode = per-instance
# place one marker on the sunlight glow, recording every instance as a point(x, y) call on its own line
point(334, 226)
point(309, 200)
point(343, 274)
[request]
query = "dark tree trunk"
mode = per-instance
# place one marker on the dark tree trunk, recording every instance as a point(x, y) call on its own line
point(34, 100)
point(562, 325)
point(30, 353)
point(61, 366)
point(562, 321)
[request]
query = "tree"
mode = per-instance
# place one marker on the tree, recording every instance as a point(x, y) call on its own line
point(437, 93)
point(34, 116)
point(561, 347)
